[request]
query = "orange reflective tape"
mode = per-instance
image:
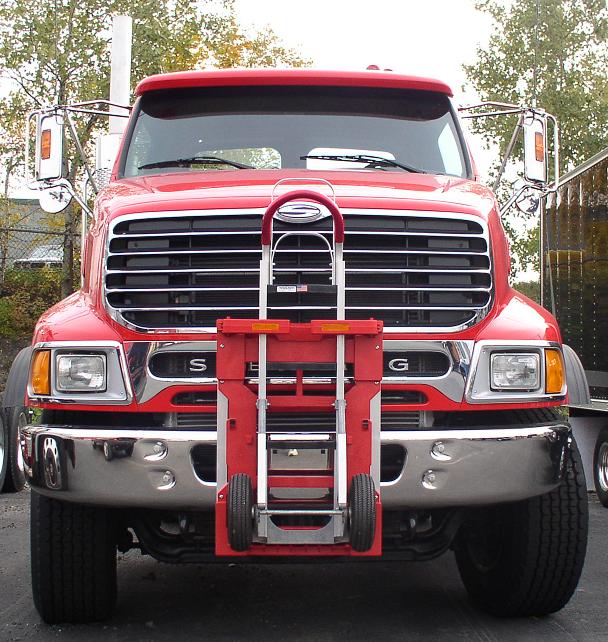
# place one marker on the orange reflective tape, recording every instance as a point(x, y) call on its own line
point(265, 327)
point(335, 327)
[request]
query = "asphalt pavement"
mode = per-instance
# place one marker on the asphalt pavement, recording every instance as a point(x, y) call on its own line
point(351, 601)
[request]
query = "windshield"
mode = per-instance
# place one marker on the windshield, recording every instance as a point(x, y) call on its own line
point(323, 128)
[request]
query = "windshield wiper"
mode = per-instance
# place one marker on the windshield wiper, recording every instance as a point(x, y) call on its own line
point(194, 160)
point(371, 160)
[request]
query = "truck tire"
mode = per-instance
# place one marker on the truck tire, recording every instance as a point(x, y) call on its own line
point(600, 467)
point(240, 512)
point(4, 441)
point(16, 419)
point(73, 560)
point(362, 503)
point(526, 558)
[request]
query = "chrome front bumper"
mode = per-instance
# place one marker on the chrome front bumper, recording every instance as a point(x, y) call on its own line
point(154, 468)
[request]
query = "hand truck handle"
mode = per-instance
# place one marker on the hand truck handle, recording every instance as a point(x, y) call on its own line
point(310, 196)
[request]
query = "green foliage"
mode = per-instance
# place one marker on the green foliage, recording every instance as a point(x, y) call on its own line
point(569, 50)
point(523, 234)
point(566, 42)
point(25, 295)
point(531, 289)
point(58, 52)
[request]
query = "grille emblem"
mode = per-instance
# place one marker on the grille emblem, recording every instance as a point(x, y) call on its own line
point(300, 213)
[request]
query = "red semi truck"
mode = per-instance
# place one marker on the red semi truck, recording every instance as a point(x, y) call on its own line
point(295, 337)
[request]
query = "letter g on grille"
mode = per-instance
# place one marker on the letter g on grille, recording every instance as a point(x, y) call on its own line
point(399, 365)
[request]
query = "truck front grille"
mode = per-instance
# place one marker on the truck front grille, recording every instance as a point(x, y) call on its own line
point(412, 270)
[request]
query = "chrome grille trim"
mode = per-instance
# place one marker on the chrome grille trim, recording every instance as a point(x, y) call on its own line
point(473, 258)
point(145, 386)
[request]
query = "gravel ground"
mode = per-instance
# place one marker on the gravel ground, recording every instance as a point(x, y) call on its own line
point(380, 601)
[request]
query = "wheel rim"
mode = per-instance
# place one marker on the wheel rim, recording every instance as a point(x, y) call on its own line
point(602, 467)
point(21, 423)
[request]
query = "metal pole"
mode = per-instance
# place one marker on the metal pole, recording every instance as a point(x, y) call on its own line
point(120, 75)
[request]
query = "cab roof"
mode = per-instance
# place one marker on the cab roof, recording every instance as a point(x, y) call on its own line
point(286, 77)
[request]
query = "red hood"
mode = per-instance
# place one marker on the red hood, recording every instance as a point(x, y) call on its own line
point(253, 189)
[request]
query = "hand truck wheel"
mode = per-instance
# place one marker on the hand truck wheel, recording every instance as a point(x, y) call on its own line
point(362, 510)
point(240, 512)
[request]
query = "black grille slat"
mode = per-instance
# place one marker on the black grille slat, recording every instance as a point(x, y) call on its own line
point(402, 397)
point(195, 398)
point(196, 421)
point(186, 271)
point(307, 422)
point(400, 420)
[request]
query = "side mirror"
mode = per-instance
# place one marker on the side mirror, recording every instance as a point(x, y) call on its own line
point(535, 147)
point(49, 147)
point(107, 147)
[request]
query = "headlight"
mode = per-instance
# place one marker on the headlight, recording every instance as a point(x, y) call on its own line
point(515, 371)
point(81, 373)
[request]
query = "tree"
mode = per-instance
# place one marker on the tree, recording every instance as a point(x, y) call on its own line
point(553, 53)
point(57, 52)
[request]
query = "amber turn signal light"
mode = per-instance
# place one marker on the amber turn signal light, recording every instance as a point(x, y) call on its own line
point(41, 373)
point(45, 144)
point(554, 369)
point(539, 147)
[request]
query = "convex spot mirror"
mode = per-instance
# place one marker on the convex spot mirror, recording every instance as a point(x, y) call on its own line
point(56, 198)
point(49, 147)
point(528, 201)
point(535, 147)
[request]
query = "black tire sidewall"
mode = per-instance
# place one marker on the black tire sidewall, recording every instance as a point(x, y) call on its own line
point(602, 495)
point(239, 512)
point(536, 565)
point(362, 506)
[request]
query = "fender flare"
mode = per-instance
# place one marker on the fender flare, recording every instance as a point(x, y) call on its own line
point(578, 388)
point(16, 383)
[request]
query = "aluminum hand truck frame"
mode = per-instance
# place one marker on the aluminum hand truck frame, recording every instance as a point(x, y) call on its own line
point(250, 519)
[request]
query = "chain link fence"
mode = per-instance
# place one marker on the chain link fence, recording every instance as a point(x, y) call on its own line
point(32, 248)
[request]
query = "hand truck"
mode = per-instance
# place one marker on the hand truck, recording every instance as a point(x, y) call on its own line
point(269, 503)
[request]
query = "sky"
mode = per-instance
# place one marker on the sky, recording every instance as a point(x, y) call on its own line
point(421, 37)
point(426, 38)
point(429, 38)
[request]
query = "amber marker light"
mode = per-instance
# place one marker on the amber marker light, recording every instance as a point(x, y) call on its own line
point(554, 368)
point(45, 144)
point(41, 373)
point(539, 146)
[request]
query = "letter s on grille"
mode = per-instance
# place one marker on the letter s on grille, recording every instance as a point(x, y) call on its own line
point(183, 271)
